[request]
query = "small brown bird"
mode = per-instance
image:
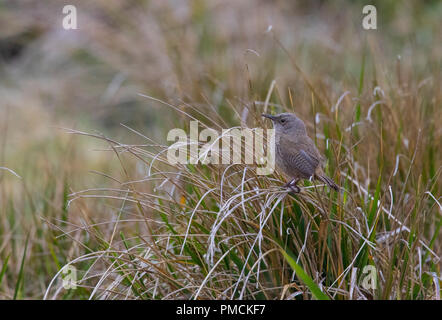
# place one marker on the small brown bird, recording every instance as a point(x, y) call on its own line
point(296, 154)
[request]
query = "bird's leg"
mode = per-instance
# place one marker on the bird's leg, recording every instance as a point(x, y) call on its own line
point(287, 185)
point(292, 185)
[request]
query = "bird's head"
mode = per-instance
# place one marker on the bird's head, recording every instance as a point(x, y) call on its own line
point(287, 123)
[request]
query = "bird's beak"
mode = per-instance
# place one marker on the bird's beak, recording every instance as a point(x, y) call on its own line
point(268, 116)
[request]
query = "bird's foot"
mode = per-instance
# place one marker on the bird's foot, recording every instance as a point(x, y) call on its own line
point(291, 185)
point(294, 189)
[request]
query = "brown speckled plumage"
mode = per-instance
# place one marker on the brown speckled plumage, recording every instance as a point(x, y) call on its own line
point(296, 154)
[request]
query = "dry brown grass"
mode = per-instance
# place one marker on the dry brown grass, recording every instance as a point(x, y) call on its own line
point(125, 234)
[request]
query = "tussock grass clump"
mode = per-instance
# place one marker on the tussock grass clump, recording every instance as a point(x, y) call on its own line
point(224, 232)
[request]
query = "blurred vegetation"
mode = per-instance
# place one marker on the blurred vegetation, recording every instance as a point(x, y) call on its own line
point(216, 57)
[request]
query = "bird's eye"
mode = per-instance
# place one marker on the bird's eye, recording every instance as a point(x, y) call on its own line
point(282, 120)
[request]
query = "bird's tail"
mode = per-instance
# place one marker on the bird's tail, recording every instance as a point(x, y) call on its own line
point(328, 181)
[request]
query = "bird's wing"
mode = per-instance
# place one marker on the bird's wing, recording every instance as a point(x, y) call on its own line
point(301, 161)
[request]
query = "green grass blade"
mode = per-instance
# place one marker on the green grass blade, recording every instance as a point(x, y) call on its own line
point(19, 282)
point(316, 291)
point(4, 267)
